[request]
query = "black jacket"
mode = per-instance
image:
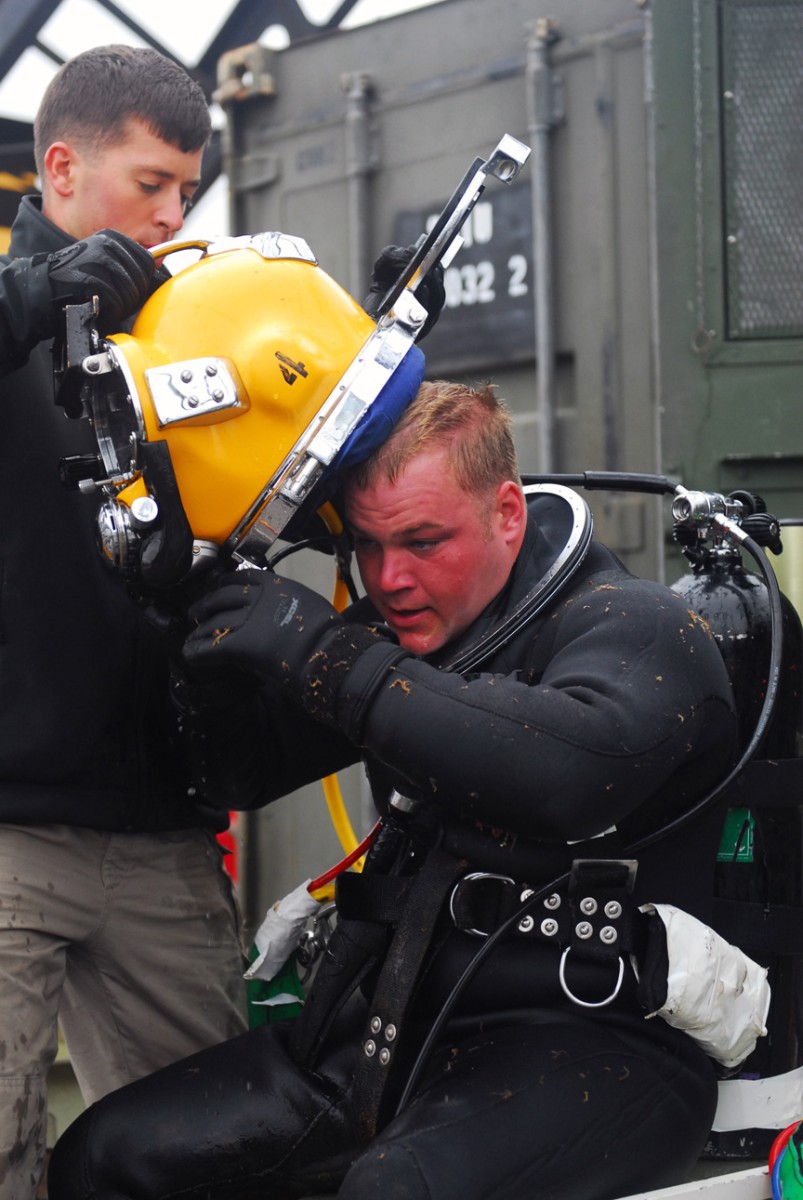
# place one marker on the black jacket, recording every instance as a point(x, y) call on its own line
point(87, 733)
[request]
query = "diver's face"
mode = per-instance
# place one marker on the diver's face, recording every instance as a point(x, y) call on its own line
point(432, 556)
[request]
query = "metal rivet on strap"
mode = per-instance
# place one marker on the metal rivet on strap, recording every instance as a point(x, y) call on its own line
point(608, 934)
point(370, 1048)
point(549, 927)
point(613, 909)
point(376, 1024)
point(390, 1033)
point(552, 901)
point(384, 1057)
point(526, 924)
point(588, 906)
point(584, 929)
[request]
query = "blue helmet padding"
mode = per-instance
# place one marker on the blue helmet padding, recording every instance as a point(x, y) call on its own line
point(376, 424)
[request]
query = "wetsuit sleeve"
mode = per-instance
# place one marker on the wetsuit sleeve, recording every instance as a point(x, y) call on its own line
point(630, 692)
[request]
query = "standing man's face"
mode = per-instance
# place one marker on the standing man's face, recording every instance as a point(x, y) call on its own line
point(431, 556)
point(139, 186)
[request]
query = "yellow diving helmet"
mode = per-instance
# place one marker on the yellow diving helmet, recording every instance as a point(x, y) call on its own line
point(243, 378)
point(248, 380)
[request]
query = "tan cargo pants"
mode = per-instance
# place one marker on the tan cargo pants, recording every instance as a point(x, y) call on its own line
point(131, 942)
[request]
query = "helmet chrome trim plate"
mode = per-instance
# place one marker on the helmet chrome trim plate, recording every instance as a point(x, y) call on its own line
point(270, 244)
point(444, 240)
point(116, 415)
point(196, 387)
point(327, 433)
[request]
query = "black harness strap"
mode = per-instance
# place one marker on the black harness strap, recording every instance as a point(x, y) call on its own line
point(352, 953)
point(379, 898)
point(384, 1031)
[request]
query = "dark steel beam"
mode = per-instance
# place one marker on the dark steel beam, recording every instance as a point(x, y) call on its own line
point(138, 29)
point(20, 22)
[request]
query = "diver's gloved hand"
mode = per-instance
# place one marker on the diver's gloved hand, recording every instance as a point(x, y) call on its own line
point(108, 265)
point(284, 632)
point(387, 269)
point(262, 623)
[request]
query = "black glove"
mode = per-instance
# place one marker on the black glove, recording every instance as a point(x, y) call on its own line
point(387, 269)
point(262, 623)
point(284, 632)
point(108, 265)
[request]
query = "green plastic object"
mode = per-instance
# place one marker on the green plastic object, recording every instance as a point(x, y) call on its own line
point(285, 983)
point(790, 1172)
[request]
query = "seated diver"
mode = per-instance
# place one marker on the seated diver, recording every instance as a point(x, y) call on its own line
point(509, 726)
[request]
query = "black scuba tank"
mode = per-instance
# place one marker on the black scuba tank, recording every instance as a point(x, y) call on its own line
point(735, 604)
point(760, 859)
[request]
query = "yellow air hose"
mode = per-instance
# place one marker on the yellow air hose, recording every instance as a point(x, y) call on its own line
point(331, 786)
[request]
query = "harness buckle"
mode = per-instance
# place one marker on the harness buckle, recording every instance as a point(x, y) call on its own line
point(589, 1003)
point(460, 906)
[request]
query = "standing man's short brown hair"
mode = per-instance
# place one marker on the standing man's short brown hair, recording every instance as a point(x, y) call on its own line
point(93, 96)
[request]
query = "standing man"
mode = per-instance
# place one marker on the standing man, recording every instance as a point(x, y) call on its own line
point(522, 704)
point(116, 916)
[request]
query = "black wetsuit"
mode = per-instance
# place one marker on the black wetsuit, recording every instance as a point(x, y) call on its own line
point(610, 708)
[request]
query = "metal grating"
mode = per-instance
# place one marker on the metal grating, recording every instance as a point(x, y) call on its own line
point(762, 104)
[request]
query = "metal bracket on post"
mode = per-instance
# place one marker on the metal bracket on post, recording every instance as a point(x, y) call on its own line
point(244, 72)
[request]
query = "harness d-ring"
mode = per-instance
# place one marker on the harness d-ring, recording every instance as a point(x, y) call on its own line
point(589, 1003)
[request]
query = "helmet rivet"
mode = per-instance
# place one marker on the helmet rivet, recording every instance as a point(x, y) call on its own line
point(370, 1048)
point(186, 375)
point(584, 930)
point(390, 1033)
point(552, 901)
point(608, 934)
point(613, 909)
point(376, 1024)
point(588, 906)
point(549, 927)
point(526, 924)
point(144, 510)
point(384, 1057)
